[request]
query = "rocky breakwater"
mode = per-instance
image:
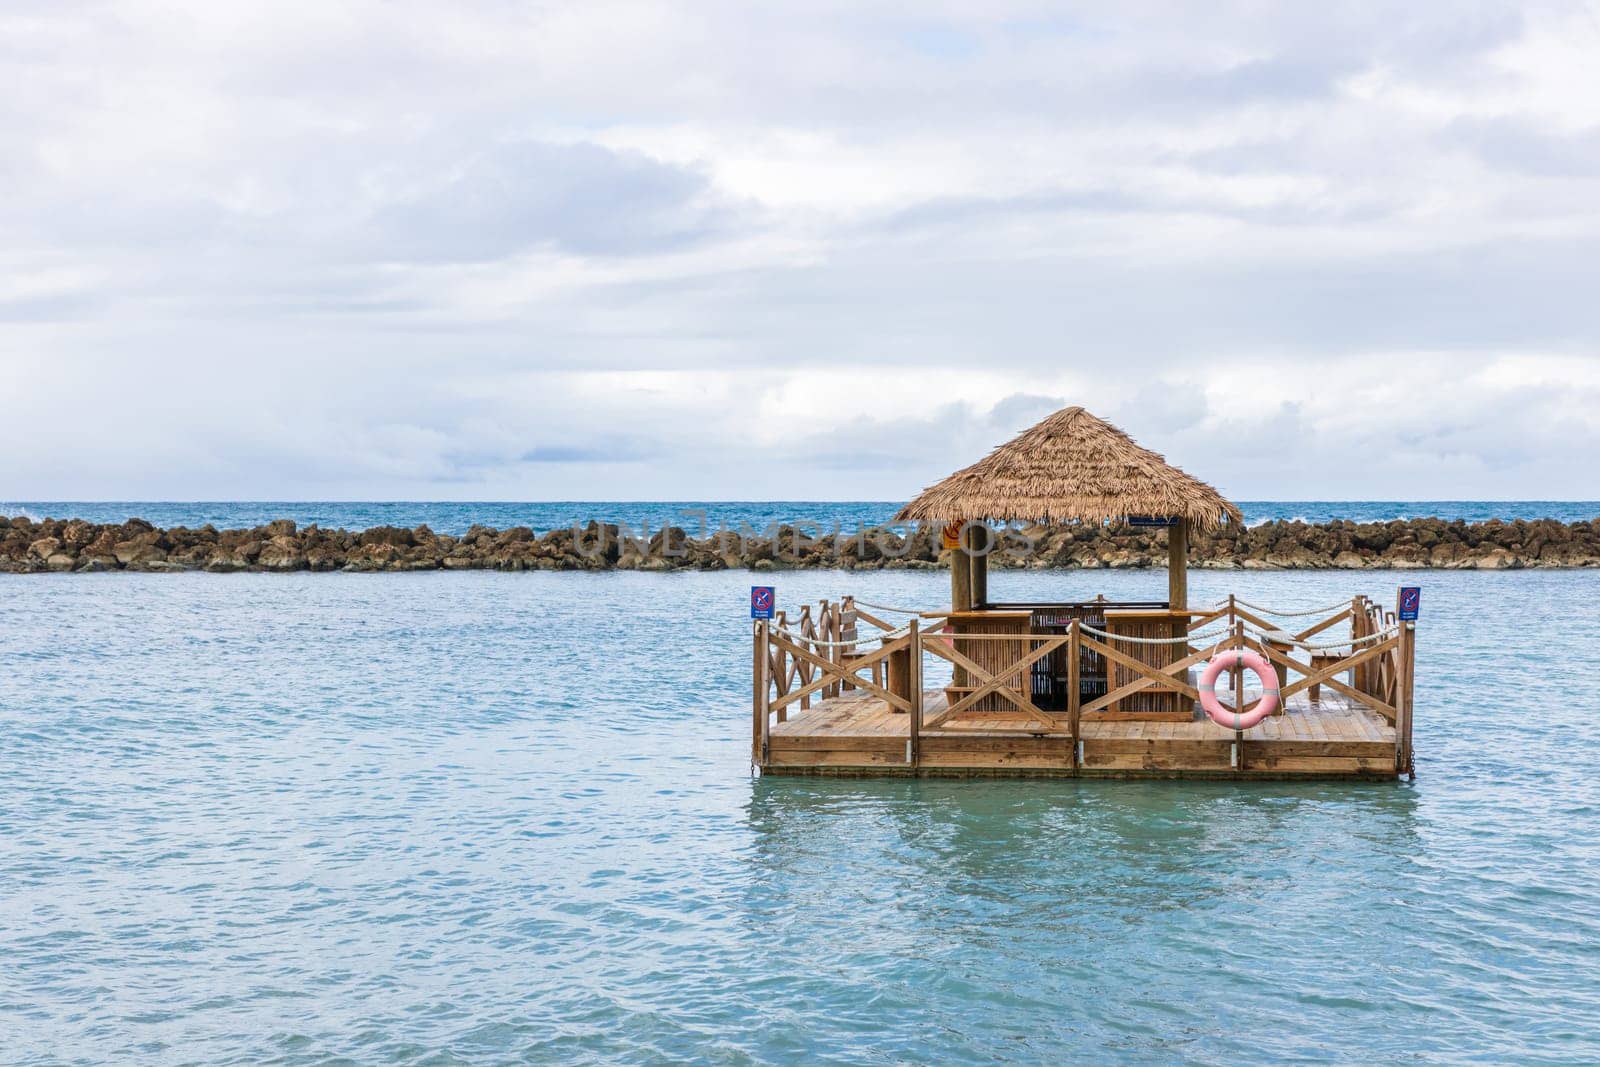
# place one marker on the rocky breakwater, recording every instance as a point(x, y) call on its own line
point(30, 546)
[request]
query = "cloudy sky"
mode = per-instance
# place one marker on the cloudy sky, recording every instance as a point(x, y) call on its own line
point(317, 249)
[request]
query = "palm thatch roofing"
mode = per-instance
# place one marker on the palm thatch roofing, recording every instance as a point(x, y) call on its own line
point(1070, 467)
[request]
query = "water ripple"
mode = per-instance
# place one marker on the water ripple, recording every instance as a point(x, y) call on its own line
point(473, 818)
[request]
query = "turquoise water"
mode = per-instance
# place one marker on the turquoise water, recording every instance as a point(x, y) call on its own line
point(480, 817)
point(455, 517)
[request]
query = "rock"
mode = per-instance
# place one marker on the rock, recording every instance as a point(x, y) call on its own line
point(191, 558)
point(388, 535)
point(280, 554)
point(324, 559)
point(77, 533)
point(140, 550)
point(27, 546)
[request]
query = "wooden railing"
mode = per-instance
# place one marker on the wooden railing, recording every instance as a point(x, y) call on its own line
point(795, 663)
point(844, 648)
point(1008, 682)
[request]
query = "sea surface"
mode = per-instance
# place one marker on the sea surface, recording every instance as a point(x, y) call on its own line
point(701, 516)
point(478, 818)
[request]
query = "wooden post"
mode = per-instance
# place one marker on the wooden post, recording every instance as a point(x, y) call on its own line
point(960, 591)
point(897, 673)
point(1074, 652)
point(1358, 676)
point(847, 632)
point(1238, 690)
point(1178, 566)
point(1411, 692)
point(1403, 689)
point(960, 575)
point(914, 727)
point(758, 737)
point(828, 630)
point(803, 669)
point(1237, 674)
point(1279, 670)
point(1402, 721)
point(978, 563)
point(780, 676)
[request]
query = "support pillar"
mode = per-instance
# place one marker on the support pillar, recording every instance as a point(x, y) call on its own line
point(1178, 565)
point(960, 578)
point(976, 536)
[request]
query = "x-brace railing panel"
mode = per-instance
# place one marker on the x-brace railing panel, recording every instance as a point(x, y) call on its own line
point(995, 683)
point(1150, 676)
point(847, 671)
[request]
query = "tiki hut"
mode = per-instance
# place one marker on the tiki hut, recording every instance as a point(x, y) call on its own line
point(1072, 467)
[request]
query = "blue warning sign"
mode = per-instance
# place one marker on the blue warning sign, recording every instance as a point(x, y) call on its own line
point(761, 601)
point(1410, 602)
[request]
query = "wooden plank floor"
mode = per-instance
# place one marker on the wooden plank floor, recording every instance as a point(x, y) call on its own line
point(853, 734)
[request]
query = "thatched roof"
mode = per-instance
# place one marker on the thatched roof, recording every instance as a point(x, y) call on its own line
point(1072, 466)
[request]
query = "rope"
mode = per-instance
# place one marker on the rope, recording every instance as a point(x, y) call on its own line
point(1313, 646)
point(892, 635)
point(814, 641)
point(1188, 639)
point(1340, 606)
point(888, 607)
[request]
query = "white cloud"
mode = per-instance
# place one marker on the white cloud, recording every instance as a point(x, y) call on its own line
point(650, 249)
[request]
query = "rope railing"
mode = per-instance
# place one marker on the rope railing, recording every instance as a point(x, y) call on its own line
point(1195, 639)
point(933, 629)
point(1278, 614)
point(1200, 638)
point(891, 635)
point(1312, 646)
point(888, 607)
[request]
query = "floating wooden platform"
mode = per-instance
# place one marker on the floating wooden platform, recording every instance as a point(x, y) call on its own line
point(857, 733)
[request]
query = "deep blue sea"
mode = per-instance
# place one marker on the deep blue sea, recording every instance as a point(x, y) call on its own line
point(693, 516)
point(479, 818)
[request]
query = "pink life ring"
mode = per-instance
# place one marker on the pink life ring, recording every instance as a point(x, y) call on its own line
point(1229, 717)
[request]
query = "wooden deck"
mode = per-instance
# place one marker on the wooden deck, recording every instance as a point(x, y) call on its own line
point(858, 733)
